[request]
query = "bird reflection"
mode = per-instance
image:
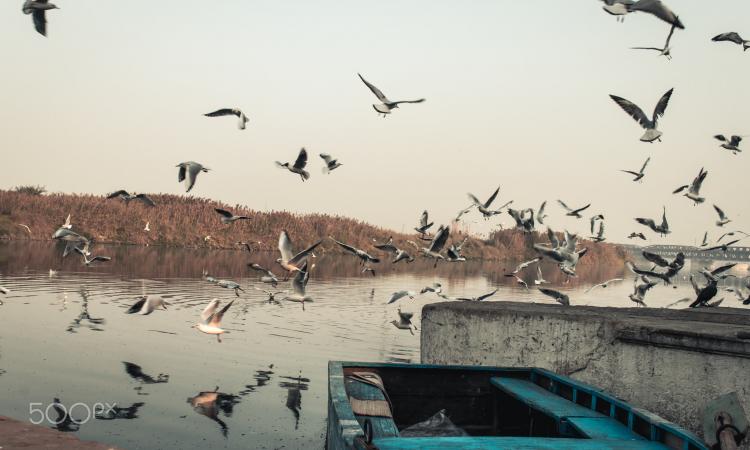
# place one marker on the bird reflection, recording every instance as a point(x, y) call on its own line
point(118, 412)
point(294, 395)
point(211, 403)
point(84, 319)
point(262, 377)
point(135, 372)
point(64, 422)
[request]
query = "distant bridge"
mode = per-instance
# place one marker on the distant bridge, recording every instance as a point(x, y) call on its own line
point(732, 253)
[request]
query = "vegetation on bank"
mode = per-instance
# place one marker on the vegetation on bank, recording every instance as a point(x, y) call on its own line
point(179, 221)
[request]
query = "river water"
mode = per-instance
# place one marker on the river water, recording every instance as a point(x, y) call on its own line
point(65, 335)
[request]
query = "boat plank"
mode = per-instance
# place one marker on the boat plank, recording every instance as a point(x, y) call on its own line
point(515, 443)
point(381, 426)
point(541, 399)
point(602, 428)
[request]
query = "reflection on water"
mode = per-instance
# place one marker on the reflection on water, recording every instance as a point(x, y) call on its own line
point(252, 383)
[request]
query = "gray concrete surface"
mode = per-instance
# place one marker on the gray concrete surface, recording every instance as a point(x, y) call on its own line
point(671, 362)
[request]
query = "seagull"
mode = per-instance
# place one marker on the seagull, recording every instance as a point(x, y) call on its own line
point(462, 212)
point(330, 163)
point(665, 276)
point(386, 106)
point(599, 237)
point(602, 285)
point(404, 322)
point(540, 216)
point(211, 323)
point(566, 255)
point(651, 134)
point(732, 37)
point(519, 281)
point(436, 288)
point(271, 294)
point(524, 219)
point(573, 212)
point(559, 297)
point(87, 261)
point(367, 268)
point(299, 286)
point(4, 290)
point(299, 165)
point(231, 112)
point(289, 260)
point(127, 197)
point(269, 276)
point(731, 233)
point(227, 217)
point(731, 144)
point(361, 254)
point(694, 188)
point(618, 8)
point(67, 224)
point(539, 278)
point(677, 263)
point(424, 225)
point(723, 247)
point(189, 172)
point(398, 295)
point(659, 10)
point(704, 294)
point(436, 245)
point(637, 235)
point(477, 298)
point(639, 292)
point(662, 229)
point(147, 304)
point(638, 175)
point(666, 50)
point(228, 284)
point(453, 254)
point(705, 239)
point(37, 9)
point(525, 264)
point(723, 219)
point(593, 221)
point(484, 207)
point(26, 227)
point(398, 254)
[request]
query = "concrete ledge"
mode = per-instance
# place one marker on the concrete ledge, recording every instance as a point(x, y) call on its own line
point(15, 434)
point(671, 362)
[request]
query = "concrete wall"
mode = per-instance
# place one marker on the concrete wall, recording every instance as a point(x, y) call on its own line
point(670, 362)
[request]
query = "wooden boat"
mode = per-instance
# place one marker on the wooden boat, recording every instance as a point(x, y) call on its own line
point(373, 405)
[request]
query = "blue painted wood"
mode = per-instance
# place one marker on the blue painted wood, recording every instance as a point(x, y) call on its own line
point(511, 443)
point(382, 426)
point(602, 428)
point(541, 399)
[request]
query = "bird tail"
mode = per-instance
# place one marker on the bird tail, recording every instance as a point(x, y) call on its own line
point(745, 45)
point(305, 175)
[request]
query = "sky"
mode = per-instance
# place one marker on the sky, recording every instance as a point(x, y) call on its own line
point(517, 97)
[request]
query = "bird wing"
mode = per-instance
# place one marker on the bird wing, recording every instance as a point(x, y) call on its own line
point(630, 172)
point(730, 36)
point(100, 258)
point(550, 292)
point(299, 256)
point(656, 259)
point(299, 281)
point(735, 140)
point(633, 110)
point(646, 48)
point(301, 161)
point(137, 305)
point(698, 181)
point(541, 211)
point(474, 199)
point(592, 221)
point(662, 105)
point(720, 137)
point(145, 199)
point(224, 213)
point(492, 198)
point(722, 269)
point(564, 205)
point(285, 246)
point(423, 219)
point(552, 238)
point(669, 36)
point(118, 193)
point(326, 157)
point(40, 21)
point(439, 240)
point(487, 295)
point(645, 164)
point(648, 222)
point(374, 90)
point(680, 189)
point(408, 101)
point(721, 214)
point(215, 319)
point(221, 112)
point(658, 9)
point(397, 295)
point(181, 173)
point(209, 310)
point(389, 248)
point(664, 223)
point(193, 171)
point(346, 247)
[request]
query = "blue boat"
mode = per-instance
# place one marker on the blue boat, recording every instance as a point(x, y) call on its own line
point(416, 406)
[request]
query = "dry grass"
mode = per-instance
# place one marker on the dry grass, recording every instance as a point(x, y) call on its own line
point(180, 221)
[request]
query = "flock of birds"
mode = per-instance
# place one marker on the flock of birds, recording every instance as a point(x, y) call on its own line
point(565, 254)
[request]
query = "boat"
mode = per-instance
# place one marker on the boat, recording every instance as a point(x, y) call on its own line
point(390, 406)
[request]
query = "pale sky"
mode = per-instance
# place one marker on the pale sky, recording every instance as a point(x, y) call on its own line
point(517, 95)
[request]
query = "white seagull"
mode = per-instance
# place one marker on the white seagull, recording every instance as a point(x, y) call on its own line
point(694, 189)
point(231, 112)
point(731, 144)
point(649, 124)
point(638, 175)
point(658, 9)
point(227, 217)
point(299, 165)
point(386, 106)
point(331, 163)
point(147, 304)
point(723, 219)
point(399, 295)
point(290, 261)
point(603, 285)
point(189, 171)
point(666, 50)
point(539, 277)
point(211, 323)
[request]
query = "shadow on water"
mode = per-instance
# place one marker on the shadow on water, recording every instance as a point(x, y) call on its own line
point(118, 412)
point(84, 319)
point(294, 389)
point(213, 403)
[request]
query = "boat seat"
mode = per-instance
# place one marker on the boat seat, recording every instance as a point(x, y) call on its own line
point(541, 399)
point(602, 428)
point(363, 393)
point(512, 443)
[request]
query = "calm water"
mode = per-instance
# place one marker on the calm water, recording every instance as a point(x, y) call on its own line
point(67, 336)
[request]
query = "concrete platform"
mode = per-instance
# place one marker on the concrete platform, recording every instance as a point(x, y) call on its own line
point(670, 362)
point(16, 434)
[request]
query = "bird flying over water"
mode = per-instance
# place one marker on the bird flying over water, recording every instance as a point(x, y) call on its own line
point(638, 175)
point(731, 144)
point(404, 322)
point(436, 288)
point(398, 254)
point(694, 188)
point(602, 285)
point(361, 254)
point(331, 163)
point(519, 281)
point(573, 212)
point(639, 292)
point(664, 51)
point(649, 124)
point(228, 284)
point(269, 276)
point(526, 264)
point(618, 8)
point(723, 219)
point(637, 235)
point(299, 286)
point(437, 244)
point(559, 297)
point(524, 219)
point(290, 261)
point(484, 207)
point(88, 261)
point(227, 217)
point(231, 112)
point(189, 172)
point(662, 229)
point(732, 37)
point(211, 319)
point(539, 277)
point(127, 197)
point(424, 223)
point(299, 165)
point(147, 304)
point(540, 216)
point(38, 9)
point(401, 294)
point(386, 106)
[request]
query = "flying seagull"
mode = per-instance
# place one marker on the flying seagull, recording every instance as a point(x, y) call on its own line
point(398, 254)
point(127, 197)
point(361, 254)
point(290, 261)
point(478, 298)
point(662, 229)
point(559, 297)
point(228, 284)
point(88, 261)
point(436, 288)
point(231, 112)
point(399, 295)
point(299, 165)
point(705, 239)
point(37, 9)
point(453, 254)
point(526, 264)
point(227, 217)
point(638, 175)
point(189, 172)
point(694, 188)
point(666, 50)
point(573, 212)
point(424, 223)
point(386, 106)
point(67, 223)
point(651, 134)
point(618, 8)
point(732, 233)
point(211, 324)
point(593, 220)
point(519, 281)
point(637, 235)
point(730, 37)
point(540, 216)
point(404, 322)
point(723, 219)
point(731, 144)
point(705, 293)
point(331, 163)
point(524, 219)
point(539, 277)
point(299, 286)
point(639, 292)
point(599, 236)
point(602, 285)
point(658, 9)
point(147, 304)
point(269, 276)
point(723, 247)
point(436, 245)
point(484, 207)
